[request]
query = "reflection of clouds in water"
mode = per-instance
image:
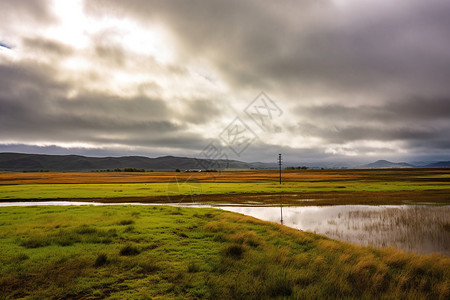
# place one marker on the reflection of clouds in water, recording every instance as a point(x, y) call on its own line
point(412, 228)
point(271, 214)
point(419, 229)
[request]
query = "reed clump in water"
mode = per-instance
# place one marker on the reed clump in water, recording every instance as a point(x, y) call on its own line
point(421, 229)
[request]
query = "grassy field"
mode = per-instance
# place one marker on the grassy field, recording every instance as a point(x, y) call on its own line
point(52, 191)
point(167, 252)
point(153, 185)
point(377, 175)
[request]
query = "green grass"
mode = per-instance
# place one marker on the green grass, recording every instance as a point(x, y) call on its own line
point(55, 191)
point(177, 253)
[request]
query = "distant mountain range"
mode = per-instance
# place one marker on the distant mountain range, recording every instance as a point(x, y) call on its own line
point(42, 162)
point(38, 162)
point(384, 164)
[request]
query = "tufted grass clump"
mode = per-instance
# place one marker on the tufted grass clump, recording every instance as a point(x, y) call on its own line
point(129, 250)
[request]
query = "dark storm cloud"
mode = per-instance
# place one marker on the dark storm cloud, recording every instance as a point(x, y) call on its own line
point(415, 109)
point(29, 76)
point(310, 45)
point(382, 68)
point(417, 122)
point(34, 107)
point(348, 72)
point(351, 133)
point(441, 144)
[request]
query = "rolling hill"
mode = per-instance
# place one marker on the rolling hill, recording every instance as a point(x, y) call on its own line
point(382, 164)
point(36, 162)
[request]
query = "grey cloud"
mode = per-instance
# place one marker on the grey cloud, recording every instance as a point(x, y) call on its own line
point(312, 156)
point(351, 133)
point(34, 108)
point(108, 50)
point(415, 109)
point(150, 140)
point(418, 121)
point(16, 15)
point(46, 46)
point(439, 144)
point(310, 45)
point(379, 69)
point(49, 116)
point(111, 54)
point(28, 76)
point(200, 111)
point(26, 11)
point(101, 105)
point(355, 133)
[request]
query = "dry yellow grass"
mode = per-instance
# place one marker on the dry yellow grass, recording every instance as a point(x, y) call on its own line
point(228, 176)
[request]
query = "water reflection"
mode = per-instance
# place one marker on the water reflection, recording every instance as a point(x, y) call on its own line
point(414, 228)
point(62, 203)
point(419, 229)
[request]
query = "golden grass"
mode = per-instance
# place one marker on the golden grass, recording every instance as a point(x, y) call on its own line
point(418, 175)
point(391, 186)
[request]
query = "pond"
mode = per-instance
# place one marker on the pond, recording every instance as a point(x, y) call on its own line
point(413, 228)
point(419, 229)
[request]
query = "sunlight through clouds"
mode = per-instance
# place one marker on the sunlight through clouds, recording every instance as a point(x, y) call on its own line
point(355, 79)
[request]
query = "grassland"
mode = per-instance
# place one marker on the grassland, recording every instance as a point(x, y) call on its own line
point(167, 252)
point(53, 191)
point(377, 175)
point(328, 187)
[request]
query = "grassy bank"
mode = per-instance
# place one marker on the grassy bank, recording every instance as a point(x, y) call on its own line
point(168, 252)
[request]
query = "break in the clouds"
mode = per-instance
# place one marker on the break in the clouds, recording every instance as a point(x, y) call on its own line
point(355, 80)
point(5, 46)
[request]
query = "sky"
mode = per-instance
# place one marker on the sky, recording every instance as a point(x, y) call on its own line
point(316, 80)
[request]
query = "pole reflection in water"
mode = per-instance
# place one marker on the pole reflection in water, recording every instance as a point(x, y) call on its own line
point(281, 210)
point(420, 229)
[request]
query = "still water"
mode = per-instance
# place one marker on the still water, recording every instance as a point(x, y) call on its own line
point(419, 229)
point(413, 228)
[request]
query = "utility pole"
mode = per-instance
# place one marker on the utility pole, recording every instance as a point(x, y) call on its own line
point(279, 164)
point(281, 203)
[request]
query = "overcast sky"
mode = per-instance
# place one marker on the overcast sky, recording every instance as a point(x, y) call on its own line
point(342, 80)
